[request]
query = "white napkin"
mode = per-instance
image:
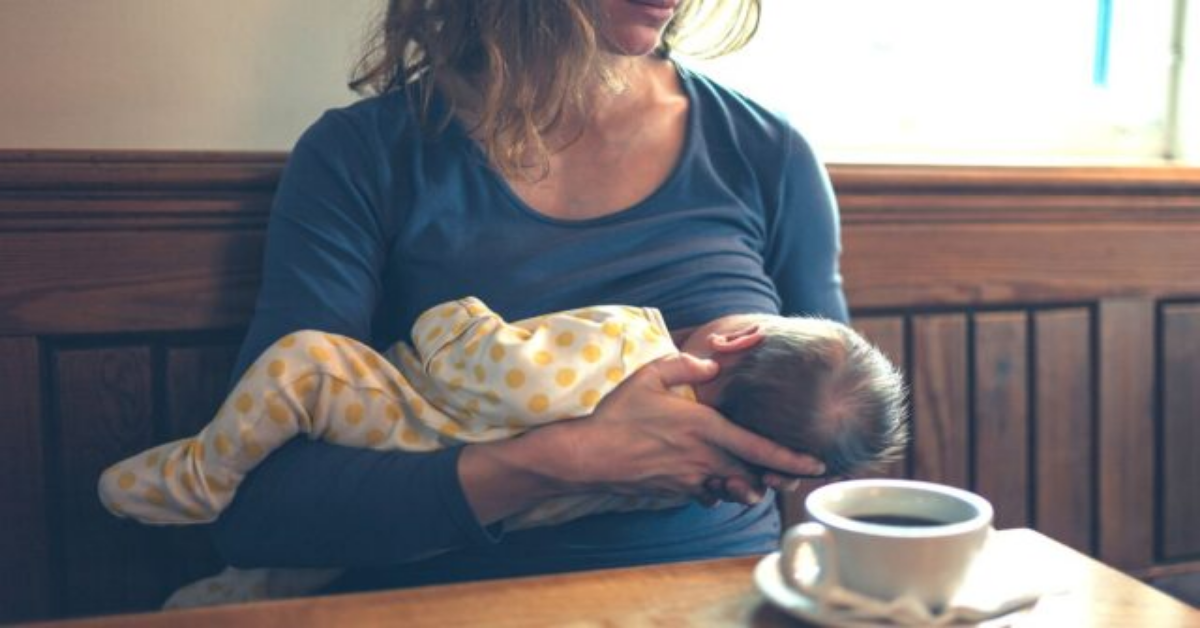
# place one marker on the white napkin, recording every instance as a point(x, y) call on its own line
point(995, 587)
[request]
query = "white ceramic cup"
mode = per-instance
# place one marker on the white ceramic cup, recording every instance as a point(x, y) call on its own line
point(890, 559)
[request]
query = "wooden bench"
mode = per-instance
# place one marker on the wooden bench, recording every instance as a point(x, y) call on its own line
point(1049, 321)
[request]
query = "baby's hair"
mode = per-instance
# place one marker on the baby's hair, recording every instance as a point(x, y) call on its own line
point(818, 387)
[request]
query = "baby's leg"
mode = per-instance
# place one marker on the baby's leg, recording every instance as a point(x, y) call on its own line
point(311, 383)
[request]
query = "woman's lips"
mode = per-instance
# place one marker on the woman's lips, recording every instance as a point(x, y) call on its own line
point(657, 10)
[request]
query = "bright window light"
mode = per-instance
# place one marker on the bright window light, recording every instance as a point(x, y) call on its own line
point(965, 81)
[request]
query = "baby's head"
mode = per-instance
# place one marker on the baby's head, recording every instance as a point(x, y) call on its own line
point(811, 384)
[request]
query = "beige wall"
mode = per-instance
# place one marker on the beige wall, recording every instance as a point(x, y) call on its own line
point(172, 74)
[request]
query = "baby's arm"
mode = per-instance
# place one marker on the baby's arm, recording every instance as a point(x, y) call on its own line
point(501, 379)
point(321, 385)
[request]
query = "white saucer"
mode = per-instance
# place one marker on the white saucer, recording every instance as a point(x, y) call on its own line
point(770, 583)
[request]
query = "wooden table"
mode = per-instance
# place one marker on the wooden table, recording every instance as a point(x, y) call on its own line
point(705, 593)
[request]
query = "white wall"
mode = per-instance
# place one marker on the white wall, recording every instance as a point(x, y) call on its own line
point(173, 74)
point(1188, 145)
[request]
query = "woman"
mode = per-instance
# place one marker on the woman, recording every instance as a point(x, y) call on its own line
point(541, 155)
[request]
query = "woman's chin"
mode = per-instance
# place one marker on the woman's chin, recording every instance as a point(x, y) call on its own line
point(634, 44)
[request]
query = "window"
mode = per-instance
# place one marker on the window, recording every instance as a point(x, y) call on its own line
point(970, 81)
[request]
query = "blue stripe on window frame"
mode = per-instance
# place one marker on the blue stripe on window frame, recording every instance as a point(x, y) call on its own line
point(1104, 19)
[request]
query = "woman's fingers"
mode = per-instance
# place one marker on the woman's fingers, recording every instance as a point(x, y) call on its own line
point(758, 451)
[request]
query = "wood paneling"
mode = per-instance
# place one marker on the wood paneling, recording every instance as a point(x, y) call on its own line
point(1126, 431)
point(1181, 432)
point(24, 546)
point(57, 283)
point(941, 419)
point(105, 414)
point(887, 333)
point(1001, 415)
point(1065, 482)
point(132, 271)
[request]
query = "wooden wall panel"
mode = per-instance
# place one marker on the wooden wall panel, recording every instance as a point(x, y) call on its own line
point(106, 406)
point(941, 417)
point(1126, 432)
point(56, 283)
point(1180, 505)
point(1065, 481)
point(887, 333)
point(24, 545)
point(1001, 415)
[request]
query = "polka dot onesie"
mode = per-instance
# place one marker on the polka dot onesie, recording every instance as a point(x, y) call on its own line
point(470, 377)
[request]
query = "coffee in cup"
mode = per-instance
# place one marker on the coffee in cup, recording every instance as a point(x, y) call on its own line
point(888, 539)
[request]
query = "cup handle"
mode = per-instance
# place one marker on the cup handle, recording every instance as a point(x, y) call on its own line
point(814, 536)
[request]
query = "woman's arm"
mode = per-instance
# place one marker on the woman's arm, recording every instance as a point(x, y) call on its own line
point(312, 503)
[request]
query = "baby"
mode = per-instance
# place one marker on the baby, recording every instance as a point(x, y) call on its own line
point(810, 384)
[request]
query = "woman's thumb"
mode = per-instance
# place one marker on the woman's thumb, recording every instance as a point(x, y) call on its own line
point(682, 368)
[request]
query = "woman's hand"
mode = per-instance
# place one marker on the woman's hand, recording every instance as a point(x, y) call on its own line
point(643, 440)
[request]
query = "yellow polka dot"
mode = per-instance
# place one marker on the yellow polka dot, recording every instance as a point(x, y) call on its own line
point(456, 384)
point(337, 386)
point(651, 334)
point(472, 348)
point(615, 374)
point(156, 497)
point(354, 413)
point(216, 485)
point(197, 449)
point(374, 437)
point(410, 437)
point(543, 358)
point(319, 353)
point(480, 373)
point(418, 407)
point(592, 353)
point(565, 339)
point(359, 369)
point(590, 398)
point(372, 360)
point(305, 386)
point(475, 309)
point(565, 377)
point(459, 365)
point(152, 461)
point(538, 403)
point(458, 328)
point(277, 368)
point(169, 468)
point(612, 329)
point(496, 353)
point(447, 311)
point(631, 348)
point(188, 483)
point(253, 449)
point(222, 444)
point(434, 332)
point(244, 403)
point(450, 429)
point(277, 412)
point(491, 397)
point(515, 378)
point(288, 341)
point(393, 412)
point(126, 481)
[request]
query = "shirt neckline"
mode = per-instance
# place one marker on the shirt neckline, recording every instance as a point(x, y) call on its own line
point(685, 154)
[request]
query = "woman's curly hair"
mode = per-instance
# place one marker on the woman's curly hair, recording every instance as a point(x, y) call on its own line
point(531, 63)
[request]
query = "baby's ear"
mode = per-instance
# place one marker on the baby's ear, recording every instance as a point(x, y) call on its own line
point(741, 339)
